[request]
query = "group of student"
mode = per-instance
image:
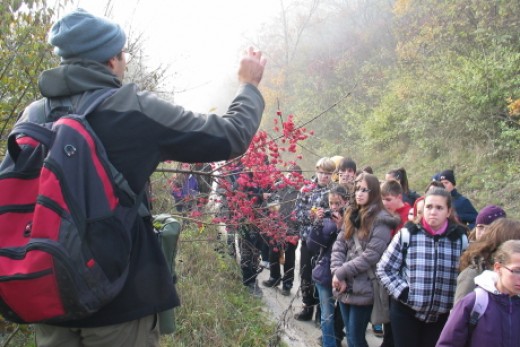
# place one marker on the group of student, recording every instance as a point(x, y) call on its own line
point(428, 252)
point(186, 187)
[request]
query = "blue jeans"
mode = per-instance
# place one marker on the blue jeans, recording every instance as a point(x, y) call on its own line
point(356, 319)
point(327, 315)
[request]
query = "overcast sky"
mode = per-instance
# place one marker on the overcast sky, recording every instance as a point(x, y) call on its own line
point(200, 40)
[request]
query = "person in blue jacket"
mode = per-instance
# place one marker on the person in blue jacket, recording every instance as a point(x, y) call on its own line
point(466, 213)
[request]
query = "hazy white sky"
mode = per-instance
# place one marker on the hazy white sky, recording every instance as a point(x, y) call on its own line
point(201, 40)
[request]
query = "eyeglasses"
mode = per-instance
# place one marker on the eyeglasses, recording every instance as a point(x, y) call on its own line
point(362, 190)
point(515, 272)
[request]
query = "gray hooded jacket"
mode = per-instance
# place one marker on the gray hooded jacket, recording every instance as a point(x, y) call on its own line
point(351, 266)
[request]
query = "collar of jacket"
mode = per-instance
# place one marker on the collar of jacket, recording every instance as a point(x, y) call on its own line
point(453, 232)
point(455, 194)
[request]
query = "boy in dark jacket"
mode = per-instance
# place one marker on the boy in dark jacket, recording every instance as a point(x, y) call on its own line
point(466, 213)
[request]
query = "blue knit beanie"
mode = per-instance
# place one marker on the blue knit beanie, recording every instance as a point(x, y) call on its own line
point(80, 34)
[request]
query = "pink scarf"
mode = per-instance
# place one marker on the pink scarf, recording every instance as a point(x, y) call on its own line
point(429, 229)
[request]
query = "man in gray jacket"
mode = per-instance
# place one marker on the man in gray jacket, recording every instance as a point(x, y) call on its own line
point(138, 130)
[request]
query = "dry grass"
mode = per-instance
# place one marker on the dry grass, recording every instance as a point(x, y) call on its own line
point(216, 309)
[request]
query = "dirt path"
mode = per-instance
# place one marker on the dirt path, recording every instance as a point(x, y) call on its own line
point(282, 309)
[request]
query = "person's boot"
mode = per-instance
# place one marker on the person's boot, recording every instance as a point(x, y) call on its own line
point(272, 282)
point(305, 314)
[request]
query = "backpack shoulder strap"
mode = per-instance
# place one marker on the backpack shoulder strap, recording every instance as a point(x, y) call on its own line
point(404, 240)
point(52, 110)
point(463, 242)
point(56, 108)
point(480, 305)
point(85, 106)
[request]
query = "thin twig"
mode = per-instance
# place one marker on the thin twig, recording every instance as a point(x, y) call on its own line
point(11, 336)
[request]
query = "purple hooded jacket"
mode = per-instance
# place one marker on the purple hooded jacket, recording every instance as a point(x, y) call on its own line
point(189, 188)
point(499, 326)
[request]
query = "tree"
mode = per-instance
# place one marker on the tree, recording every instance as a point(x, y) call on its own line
point(24, 53)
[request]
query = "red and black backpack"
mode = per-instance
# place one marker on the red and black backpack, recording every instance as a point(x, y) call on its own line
point(65, 220)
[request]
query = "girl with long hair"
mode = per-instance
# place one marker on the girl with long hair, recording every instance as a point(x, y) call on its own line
point(359, 246)
point(478, 256)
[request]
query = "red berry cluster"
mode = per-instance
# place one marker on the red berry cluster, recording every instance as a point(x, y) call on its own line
point(262, 169)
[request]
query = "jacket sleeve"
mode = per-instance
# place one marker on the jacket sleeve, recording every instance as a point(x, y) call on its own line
point(204, 137)
point(455, 331)
point(388, 268)
point(374, 248)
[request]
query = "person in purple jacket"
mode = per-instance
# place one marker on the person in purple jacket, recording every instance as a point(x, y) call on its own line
point(320, 240)
point(499, 325)
point(185, 189)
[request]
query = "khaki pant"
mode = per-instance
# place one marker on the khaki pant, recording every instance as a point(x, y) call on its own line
point(143, 332)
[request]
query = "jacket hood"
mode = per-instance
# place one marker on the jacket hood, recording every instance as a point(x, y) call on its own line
point(75, 76)
point(388, 219)
point(487, 280)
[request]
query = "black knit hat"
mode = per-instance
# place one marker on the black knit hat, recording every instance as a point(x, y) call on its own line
point(448, 175)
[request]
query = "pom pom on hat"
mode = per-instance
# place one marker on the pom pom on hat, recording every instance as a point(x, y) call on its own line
point(489, 214)
point(448, 175)
point(80, 34)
